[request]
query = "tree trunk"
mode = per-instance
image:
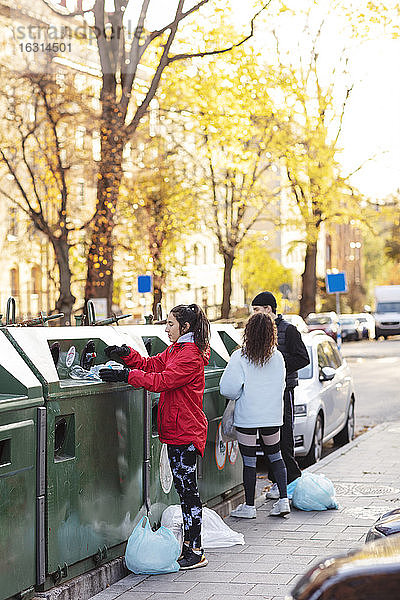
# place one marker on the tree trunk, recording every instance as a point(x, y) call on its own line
point(157, 294)
point(227, 285)
point(309, 281)
point(65, 300)
point(99, 281)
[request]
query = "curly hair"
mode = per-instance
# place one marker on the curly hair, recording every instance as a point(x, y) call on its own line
point(259, 339)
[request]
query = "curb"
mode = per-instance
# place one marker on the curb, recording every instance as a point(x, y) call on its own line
point(348, 447)
point(88, 584)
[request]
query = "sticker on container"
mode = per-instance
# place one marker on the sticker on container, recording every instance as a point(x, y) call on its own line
point(220, 449)
point(233, 451)
point(165, 470)
point(69, 359)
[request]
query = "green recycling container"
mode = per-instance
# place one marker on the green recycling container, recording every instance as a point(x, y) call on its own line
point(21, 474)
point(231, 337)
point(220, 470)
point(95, 451)
point(161, 489)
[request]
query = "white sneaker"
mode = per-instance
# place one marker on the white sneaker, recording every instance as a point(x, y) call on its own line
point(273, 493)
point(244, 512)
point(280, 508)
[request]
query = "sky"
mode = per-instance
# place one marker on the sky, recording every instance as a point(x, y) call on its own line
point(371, 128)
point(372, 125)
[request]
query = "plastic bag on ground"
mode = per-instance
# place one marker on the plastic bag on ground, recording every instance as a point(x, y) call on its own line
point(215, 533)
point(314, 491)
point(291, 487)
point(151, 552)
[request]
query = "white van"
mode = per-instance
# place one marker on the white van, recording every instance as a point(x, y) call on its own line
point(387, 311)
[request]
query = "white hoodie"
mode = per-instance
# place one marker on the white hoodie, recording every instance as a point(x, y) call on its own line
point(258, 390)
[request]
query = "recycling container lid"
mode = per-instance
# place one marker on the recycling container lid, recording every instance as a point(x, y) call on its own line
point(52, 352)
point(19, 387)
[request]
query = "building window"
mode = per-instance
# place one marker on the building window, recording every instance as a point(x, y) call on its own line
point(81, 191)
point(196, 254)
point(80, 137)
point(12, 224)
point(80, 82)
point(153, 117)
point(96, 145)
point(36, 280)
point(127, 151)
point(60, 81)
point(14, 282)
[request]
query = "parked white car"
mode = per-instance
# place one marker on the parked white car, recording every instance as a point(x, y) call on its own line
point(324, 399)
point(368, 324)
point(297, 321)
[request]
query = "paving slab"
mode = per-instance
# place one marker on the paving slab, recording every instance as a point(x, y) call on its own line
point(276, 552)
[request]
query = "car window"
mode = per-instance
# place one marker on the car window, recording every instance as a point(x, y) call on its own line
point(307, 372)
point(383, 307)
point(323, 360)
point(337, 359)
point(348, 321)
point(318, 320)
point(330, 357)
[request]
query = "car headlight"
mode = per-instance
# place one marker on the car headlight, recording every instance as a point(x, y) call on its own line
point(300, 409)
point(373, 534)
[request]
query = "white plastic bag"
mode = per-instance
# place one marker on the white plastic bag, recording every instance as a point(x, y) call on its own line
point(228, 431)
point(78, 372)
point(172, 520)
point(215, 533)
point(314, 492)
point(151, 552)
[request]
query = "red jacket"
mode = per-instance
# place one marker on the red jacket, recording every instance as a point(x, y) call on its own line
point(178, 373)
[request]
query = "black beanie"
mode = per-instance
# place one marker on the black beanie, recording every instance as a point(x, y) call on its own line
point(265, 299)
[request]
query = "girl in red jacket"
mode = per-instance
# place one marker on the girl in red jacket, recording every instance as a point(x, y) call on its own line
point(178, 374)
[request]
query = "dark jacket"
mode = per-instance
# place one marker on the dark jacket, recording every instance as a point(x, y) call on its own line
point(178, 373)
point(293, 349)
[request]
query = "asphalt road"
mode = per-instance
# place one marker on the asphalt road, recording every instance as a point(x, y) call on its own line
point(375, 367)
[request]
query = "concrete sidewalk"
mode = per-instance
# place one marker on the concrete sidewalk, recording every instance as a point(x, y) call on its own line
point(366, 474)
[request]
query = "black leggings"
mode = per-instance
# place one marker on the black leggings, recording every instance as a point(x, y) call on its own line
point(270, 442)
point(182, 460)
point(287, 440)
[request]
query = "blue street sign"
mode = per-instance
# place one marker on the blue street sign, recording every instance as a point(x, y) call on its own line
point(336, 283)
point(144, 284)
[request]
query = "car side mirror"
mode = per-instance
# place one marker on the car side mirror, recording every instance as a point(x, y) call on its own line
point(327, 374)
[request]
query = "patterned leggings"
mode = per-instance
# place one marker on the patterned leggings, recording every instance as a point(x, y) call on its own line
point(270, 443)
point(182, 460)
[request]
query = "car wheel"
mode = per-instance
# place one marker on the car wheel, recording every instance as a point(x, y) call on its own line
point(347, 434)
point(315, 452)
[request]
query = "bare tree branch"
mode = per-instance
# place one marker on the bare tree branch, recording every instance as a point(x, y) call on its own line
point(14, 201)
point(370, 159)
point(185, 56)
point(157, 75)
point(60, 168)
point(348, 92)
point(31, 174)
point(36, 216)
point(60, 10)
point(135, 54)
point(108, 77)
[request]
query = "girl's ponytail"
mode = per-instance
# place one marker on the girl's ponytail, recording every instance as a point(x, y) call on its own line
point(198, 323)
